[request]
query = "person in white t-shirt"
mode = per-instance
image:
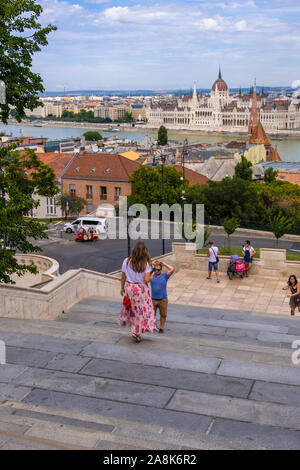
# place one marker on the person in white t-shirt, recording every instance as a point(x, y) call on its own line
point(213, 261)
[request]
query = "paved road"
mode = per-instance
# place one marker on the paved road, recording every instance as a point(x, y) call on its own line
point(107, 255)
point(102, 255)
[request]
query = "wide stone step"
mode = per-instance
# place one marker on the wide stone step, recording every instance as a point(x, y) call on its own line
point(38, 427)
point(218, 382)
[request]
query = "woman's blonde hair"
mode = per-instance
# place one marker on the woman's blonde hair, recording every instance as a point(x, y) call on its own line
point(139, 258)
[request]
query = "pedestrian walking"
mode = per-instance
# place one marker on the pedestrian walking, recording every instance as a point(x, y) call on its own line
point(248, 253)
point(213, 262)
point(159, 290)
point(294, 296)
point(138, 312)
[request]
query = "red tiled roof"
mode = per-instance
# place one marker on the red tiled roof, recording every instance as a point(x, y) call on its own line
point(192, 176)
point(57, 161)
point(101, 166)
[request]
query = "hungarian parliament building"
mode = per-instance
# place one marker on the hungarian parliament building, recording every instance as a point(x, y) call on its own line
point(220, 111)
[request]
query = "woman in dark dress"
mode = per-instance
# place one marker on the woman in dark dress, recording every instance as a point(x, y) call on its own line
point(294, 287)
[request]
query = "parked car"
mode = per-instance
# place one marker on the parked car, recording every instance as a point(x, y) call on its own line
point(99, 224)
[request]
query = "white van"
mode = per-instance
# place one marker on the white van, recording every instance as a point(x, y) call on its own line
point(99, 224)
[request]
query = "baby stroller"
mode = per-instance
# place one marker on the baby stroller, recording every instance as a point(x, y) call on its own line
point(236, 267)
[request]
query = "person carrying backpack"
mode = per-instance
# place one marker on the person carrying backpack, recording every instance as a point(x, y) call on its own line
point(213, 261)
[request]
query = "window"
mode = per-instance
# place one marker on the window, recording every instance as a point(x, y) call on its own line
point(72, 188)
point(103, 193)
point(89, 192)
point(51, 207)
point(90, 222)
point(117, 193)
point(89, 208)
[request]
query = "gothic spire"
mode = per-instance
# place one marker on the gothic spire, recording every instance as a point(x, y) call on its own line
point(254, 113)
point(220, 73)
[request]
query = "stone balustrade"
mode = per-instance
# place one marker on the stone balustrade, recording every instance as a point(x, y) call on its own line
point(51, 300)
point(272, 262)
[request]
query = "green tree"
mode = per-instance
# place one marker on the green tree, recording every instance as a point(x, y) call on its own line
point(23, 177)
point(92, 136)
point(162, 137)
point(280, 225)
point(270, 175)
point(230, 198)
point(128, 117)
point(21, 36)
point(76, 203)
point(147, 186)
point(243, 169)
point(230, 226)
point(206, 233)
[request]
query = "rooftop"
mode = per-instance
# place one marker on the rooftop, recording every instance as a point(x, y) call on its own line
point(101, 166)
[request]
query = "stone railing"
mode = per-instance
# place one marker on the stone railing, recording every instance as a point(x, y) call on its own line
point(48, 269)
point(45, 265)
point(272, 262)
point(49, 302)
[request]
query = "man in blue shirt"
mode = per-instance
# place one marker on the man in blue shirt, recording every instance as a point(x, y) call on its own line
point(159, 290)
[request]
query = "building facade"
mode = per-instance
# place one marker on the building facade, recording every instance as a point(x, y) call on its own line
point(220, 111)
point(99, 179)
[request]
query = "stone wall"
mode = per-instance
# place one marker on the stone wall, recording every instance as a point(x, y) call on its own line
point(49, 302)
point(272, 262)
point(48, 269)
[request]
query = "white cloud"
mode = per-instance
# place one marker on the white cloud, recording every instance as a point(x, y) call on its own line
point(241, 25)
point(136, 14)
point(296, 84)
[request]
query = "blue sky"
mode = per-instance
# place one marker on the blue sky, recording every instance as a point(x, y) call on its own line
point(139, 44)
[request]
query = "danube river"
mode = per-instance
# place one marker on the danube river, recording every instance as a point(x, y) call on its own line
point(288, 148)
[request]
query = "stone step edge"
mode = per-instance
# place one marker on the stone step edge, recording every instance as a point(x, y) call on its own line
point(120, 434)
point(39, 441)
point(184, 306)
point(168, 436)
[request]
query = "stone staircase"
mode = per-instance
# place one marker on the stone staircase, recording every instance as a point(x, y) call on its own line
point(215, 380)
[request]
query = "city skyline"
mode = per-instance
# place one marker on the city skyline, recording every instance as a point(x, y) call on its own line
point(144, 44)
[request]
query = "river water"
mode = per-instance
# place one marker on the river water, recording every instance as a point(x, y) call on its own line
point(289, 149)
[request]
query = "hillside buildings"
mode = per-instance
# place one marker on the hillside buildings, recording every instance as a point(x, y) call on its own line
point(220, 111)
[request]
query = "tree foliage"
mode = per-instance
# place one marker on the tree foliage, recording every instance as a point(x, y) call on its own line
point(280, 225)
point(23, 177)
point(243, 169)
point(147, 187)
point(75, 203)
point(21, 36)
point(230, 226)
point(270, 175)
point(92, 136)
point(232, 197)
point(162, 137)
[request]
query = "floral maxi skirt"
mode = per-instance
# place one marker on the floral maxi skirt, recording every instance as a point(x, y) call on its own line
point(140, 317)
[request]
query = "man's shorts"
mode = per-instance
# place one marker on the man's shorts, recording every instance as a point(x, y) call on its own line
point(162, 305)
point(212, 265)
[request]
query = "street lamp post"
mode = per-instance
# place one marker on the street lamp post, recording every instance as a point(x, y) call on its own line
point(163, 161)
point(130, 217)
point(184, 149)
point(9, 159)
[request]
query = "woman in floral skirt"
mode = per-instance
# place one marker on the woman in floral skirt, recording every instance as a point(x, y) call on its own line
point(138, 312)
